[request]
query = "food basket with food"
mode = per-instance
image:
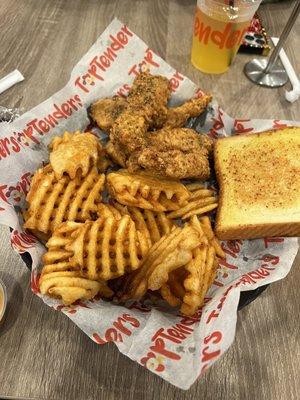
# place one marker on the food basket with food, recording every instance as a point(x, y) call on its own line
point(136, 211)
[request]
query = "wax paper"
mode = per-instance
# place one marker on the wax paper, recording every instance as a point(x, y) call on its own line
point(179, 349)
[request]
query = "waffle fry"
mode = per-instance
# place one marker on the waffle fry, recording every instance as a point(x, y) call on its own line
point(108, 210)
point(201, 270)
point(56, 245)
point(53, 201)
point(73, 152)
point(197, 282)
point(200, 202)
point(70, 286)
point(145, 191)
point(194, 186)
point(206, 226)
point(59, 278)
point(168, 294)
point(171, 252)
point(153, 225)
point(107, 248)
point(173, 291)
point(188, 285)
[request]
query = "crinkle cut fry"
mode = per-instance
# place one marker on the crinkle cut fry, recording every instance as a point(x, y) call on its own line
point(52, 202)
point(154, 225)
point(173, 291)
point(70, 286)
point(108, 248)
point(74, 152)
point(170, 252)
point(145, 191)
point(201, 272)
point(206, 226)
point(201, 201)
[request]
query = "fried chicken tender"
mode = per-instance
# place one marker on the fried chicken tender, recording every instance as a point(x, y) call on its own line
point(146, 109)
point(129, 131)
point(149, 95)
point(105, 111)
point(177, 153)
point(171, 152)
point(115, 153)
point(178, 116)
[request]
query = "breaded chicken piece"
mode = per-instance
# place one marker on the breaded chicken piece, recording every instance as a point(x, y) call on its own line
point(149, 94)
point(146, 108)
point(115, 153)
point(177, 153)
point(178, 116)
point(105, 111)
point(129, 132)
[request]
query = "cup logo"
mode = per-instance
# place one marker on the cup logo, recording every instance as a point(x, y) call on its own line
point(227, 38)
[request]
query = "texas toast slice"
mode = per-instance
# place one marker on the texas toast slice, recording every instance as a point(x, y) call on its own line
point(259, 179)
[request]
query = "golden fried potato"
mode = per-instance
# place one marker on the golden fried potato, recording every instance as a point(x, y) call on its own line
point(73, 152)
point(56, 245)
point(196, 284)
point(201, 271)
point(200, 202)
point(109, 210)
point(62, 280)
point(70, 286)
point(173, 291)
point(206, 226)
point(146, 191)
point(188, 285)
point(107, 248)
point(154, 225)
point(171, 252)
point(53, 201)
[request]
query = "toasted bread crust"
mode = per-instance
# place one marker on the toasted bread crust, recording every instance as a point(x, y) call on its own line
point(225, 231)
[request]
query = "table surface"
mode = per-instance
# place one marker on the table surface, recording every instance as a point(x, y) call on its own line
point(43, 355)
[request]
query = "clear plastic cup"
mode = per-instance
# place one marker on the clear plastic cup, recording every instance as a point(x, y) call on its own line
point(219, 28)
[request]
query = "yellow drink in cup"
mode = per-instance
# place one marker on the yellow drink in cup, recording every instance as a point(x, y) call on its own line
point(219, 28)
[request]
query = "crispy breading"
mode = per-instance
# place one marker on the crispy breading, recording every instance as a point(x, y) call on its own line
point(146, 108)
point(178, 116)
point(129, 132)
point(149, 94)
point(105, 111)
point(176, 153)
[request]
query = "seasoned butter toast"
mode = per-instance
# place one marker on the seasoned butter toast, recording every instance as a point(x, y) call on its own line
point(259, 179)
